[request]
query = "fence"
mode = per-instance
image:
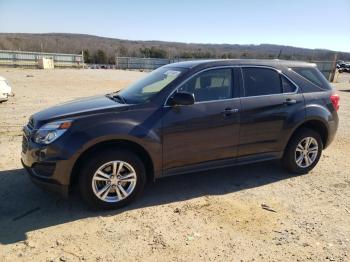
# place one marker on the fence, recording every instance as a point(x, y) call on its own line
point(30, 59)
point(326, 67)
point(142, 63)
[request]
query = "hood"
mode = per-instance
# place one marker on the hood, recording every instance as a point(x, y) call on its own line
point(79, 107)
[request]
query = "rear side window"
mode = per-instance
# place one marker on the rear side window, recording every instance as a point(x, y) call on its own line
point(313, 75)
point(261, 81)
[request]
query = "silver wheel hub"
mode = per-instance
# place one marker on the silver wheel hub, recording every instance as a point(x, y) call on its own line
point(306, 152)
point(114, 181)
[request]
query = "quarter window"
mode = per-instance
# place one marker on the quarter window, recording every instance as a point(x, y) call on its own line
point(261, 81)
point(313, 75)
point(215, 84)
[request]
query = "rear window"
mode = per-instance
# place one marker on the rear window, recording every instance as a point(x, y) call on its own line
point(261, 81)
point(313, 75)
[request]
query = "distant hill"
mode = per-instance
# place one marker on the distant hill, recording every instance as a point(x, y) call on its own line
point(109, 47)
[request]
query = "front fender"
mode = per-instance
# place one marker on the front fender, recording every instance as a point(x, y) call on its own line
point(88, 132)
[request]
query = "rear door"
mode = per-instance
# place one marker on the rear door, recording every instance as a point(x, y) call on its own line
point(269, 101)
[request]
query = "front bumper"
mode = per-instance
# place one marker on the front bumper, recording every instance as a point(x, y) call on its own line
point(45, 166)
point(46, 184)
point(3, 97)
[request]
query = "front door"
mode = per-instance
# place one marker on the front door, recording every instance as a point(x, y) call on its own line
point(207, 130)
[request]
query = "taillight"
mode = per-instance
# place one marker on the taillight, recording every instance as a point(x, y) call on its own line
point(335, 101)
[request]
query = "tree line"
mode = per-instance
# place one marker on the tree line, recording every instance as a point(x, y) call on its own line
point(104, 50)
point(101, 57)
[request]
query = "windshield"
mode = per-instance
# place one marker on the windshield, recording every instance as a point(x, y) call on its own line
point(142, 90)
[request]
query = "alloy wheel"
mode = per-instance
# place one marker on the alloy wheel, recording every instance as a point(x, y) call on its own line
point(306, 152)
point(114, 181)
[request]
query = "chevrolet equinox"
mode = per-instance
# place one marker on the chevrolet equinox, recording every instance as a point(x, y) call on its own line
point(181, 118)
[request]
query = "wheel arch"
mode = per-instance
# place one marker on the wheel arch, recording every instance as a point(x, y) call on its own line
point(119, 144)
point(316, 125)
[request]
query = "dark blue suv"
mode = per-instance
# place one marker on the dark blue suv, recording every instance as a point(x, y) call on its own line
point(182, 118)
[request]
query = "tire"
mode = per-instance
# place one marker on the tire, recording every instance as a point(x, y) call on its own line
point(293, 152)
point(93, 179)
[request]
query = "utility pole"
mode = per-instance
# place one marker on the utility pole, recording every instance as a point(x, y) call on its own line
point(116, 58)
point(280, 53)
point(332, 74)
point(82, 58)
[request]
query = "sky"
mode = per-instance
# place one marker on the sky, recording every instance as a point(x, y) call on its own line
point(302, 23)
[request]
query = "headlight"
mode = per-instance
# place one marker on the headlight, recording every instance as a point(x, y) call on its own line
point(51, 131)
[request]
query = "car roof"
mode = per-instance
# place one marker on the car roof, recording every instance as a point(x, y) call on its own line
point(240, 62)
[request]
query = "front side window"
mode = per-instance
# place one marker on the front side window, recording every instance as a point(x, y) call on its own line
point(215, 84)
point(144, 89)
point(261, 81)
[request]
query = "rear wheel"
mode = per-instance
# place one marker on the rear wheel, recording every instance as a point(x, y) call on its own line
point(303, 151)
point(112, 179)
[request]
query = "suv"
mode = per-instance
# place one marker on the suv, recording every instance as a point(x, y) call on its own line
point(181, 118)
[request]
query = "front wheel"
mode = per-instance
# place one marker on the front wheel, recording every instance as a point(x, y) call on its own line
point(112, 179)
point(303, 151)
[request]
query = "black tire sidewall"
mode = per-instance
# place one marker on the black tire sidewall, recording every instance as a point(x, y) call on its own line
point(96, 161)
point(289, 155)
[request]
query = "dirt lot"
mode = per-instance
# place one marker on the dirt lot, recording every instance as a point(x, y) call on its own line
point(208, 216)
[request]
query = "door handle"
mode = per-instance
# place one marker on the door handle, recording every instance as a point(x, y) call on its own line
point(290, 101)
point(229, 111)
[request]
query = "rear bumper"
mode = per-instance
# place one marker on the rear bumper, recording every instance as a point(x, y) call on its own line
point(46, 183)
point(332, 130)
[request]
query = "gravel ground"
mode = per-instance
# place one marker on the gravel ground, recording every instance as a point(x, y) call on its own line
point(208, 216)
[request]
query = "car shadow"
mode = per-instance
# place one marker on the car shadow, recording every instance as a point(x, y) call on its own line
point(25, 208)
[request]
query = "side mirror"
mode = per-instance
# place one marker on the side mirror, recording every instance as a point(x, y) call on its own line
point(181, 98)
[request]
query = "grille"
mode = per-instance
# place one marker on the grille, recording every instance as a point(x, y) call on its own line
point(31, 123)
point(24, 144)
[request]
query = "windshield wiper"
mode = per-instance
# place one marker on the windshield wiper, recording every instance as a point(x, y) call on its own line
point(117, 98)
point(120, 98)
